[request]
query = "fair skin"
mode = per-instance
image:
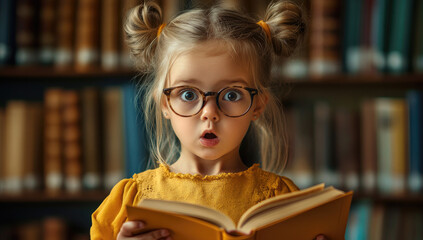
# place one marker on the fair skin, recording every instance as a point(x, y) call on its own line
point(209, 70)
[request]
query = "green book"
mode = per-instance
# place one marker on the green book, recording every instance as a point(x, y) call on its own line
point(400, 36)
point(418, 38)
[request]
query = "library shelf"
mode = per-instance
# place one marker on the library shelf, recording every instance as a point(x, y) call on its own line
point(46, 197)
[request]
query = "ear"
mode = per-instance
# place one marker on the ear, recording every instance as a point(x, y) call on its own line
point(260, 106)
point(165, 109)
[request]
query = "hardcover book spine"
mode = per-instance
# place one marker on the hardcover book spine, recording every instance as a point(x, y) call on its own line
point(125, 57)
point(65, 33)
point(47, 35)
point(399, 145)
point(33, 153)
point(114, 136)
point(14, 158)
point(380, 33)
point(91, 138)
point(324, 38)
point(26, 17)
point(53, 145)
point(72, 141)
point(2, 162)
point(353, 32)
point(368, 145)
point(87, 34)
point(110, 34)
point(415, 130)
point(7, 31)
point(418, 38)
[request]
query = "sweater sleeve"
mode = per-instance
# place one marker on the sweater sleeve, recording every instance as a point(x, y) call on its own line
point(111, 214)
point(285, 185)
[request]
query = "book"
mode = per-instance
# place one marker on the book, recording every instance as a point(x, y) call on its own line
point(2, 133)
point(7, 31)
point(114, 139)
point(322, 210)
point(415, 135)
point(65, 33)
point(110, 33)
point(47, 36)
point(26, 28)
point(379, 34)
point(417, 52)
point(91, 140)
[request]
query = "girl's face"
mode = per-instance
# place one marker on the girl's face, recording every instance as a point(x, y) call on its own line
point(209, 134)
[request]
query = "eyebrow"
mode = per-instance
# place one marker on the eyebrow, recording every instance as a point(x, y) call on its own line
point(196, 81)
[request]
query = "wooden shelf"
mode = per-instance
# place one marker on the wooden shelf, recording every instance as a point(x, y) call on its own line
point(52, 72)
point(45, 197)
point(401, 198)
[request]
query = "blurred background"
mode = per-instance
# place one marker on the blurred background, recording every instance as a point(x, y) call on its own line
point(70, 126)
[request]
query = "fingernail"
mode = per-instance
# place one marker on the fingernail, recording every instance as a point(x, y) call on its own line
point(164, 233)
point(141, 225)
point(320, 237)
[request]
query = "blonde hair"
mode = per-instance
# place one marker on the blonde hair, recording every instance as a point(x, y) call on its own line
point(154, 56)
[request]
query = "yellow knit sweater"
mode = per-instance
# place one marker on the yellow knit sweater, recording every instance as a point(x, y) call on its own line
point(230, 193)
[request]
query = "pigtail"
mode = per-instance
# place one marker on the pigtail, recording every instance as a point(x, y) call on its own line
point(141, 31)
point(287, 26)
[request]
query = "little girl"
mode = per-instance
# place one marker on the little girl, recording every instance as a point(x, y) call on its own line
point(207, 98)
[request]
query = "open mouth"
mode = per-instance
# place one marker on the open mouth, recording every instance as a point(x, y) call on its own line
point(209, 136)
point(209, 139)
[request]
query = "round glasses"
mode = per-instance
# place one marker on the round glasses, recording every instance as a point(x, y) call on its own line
point(187, 101)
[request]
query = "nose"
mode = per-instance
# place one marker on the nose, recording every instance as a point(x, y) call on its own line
point(210, 111)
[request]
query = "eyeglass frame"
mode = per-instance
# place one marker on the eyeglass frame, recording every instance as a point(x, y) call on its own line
point(252, 92)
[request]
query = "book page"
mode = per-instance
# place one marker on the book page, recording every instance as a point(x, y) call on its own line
point(207, 214)
point(271, 202)
point(285, 210)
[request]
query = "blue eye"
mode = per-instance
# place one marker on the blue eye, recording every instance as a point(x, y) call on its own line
point(188, 95)
point(232, 96)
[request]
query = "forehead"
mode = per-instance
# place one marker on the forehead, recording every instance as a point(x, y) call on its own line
point(209, 65)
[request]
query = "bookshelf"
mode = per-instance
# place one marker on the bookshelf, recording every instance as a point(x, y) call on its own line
point(348, 86)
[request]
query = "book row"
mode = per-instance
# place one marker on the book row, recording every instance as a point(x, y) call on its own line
point(372, 145)
point(75, 139)
point(369, 221)
point(53, 228)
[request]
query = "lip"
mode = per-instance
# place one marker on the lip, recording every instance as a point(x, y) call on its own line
point(209, 142)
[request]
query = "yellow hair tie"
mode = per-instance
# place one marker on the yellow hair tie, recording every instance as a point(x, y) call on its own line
point(265, 28)
point(160, 29)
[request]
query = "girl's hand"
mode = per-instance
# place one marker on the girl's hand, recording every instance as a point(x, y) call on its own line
point(127, 229)
point(320, 237)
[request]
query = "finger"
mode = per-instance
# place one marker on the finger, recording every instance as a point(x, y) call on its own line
point(320, 237)
point(157, 234)
point(129, 227)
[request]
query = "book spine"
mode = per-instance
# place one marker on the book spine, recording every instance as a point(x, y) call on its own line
point(87, 34)
point(114, 136)
point(384, 144)
point(47, 37)
point(346, 145)
point(53, 145)
point(418, 38)
point(65, 33)
point(33, 153)
point(400, 36)
point(110, 34)
point(125, 56)
point(415, 130)
point(399, 145)
point(26, 17)
point(324, 38)
point(380, 33)
point(14, 157)
point(7, 31)
point(323, 141)
point(353, 32)
point(72, 141)
point(367, 53)
point(2, 137)
point(91, 138)
point(368, 145)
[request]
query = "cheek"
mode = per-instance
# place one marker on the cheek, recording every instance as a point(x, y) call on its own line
point(182, 128)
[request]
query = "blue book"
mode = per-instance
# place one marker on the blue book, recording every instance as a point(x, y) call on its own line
point(380, 33)
point(415, 105)
point(359, 221)
point(136, 149)
point(353, 30)
point(7, 31)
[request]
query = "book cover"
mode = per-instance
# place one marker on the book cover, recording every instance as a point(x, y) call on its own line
point(91, 138)
point(26, 29)
point(322, 210)
point(399, 145)
point(2, 136)
point(114, 138)
point(125, 56)
point(380, 32)
point(352, 35)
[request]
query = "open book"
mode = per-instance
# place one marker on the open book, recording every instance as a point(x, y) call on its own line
point(297, 215)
